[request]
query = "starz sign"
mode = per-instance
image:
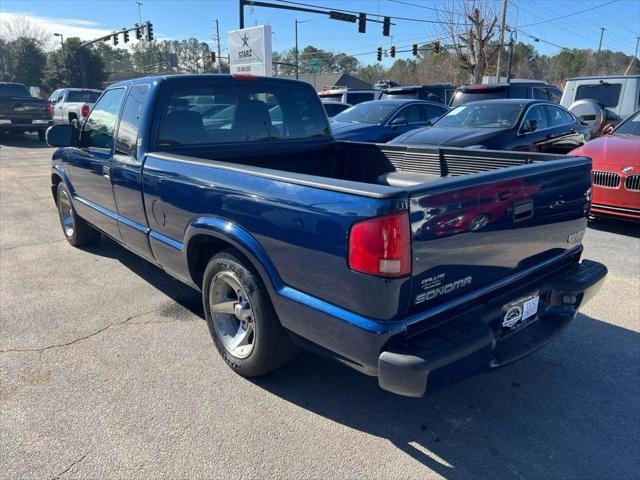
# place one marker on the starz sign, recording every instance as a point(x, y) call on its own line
point(250, 50)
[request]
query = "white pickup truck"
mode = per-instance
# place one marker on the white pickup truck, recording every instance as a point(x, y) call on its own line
point(69, 104)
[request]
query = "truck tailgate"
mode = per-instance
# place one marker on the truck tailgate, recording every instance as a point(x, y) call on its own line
point(470, 231)
point(23, 109)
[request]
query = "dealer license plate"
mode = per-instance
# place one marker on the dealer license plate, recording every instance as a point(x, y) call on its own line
point(516, 313)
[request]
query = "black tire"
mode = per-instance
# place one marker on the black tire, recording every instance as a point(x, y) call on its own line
point(42, 135)
point(76, 231)
point(272, 346)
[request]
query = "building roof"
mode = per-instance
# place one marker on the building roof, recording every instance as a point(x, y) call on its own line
point(326, 81)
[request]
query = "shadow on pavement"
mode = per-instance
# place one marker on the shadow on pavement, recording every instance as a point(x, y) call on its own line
point(619, 227)
point(27, 140)
point(176, 290)
point(568, 411)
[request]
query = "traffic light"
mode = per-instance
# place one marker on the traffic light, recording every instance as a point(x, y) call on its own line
point(392, 51)
point(138, 32)
point(115, 40)
point(362, 22)
point(213, 57)
point(379, 56)
point(149, 28)
point(414, 49)
point(386, 26)
point(436, 47)
point(125, 34)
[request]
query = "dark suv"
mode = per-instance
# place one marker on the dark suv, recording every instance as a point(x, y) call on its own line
point(440, 93)
point(515, 89)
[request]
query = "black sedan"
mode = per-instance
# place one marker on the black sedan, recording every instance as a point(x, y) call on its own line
point(505, 124)
point(379, 121)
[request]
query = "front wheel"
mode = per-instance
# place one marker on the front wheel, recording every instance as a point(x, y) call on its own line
point(75, 229)
point(244, 326)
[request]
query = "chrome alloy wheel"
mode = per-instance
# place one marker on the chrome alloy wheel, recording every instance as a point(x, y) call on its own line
point(232, 314)
point(66, 214)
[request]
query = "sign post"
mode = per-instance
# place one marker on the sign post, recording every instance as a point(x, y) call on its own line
point(250, 51)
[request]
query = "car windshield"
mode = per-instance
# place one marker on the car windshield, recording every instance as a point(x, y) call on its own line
point(630, 127)
point(84, 96)
point(482, 115)
point(374, 112)
point(13, 90)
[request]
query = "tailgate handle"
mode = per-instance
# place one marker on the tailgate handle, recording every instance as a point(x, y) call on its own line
point(522, 210)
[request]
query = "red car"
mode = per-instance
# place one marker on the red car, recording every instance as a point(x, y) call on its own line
point(616, 170)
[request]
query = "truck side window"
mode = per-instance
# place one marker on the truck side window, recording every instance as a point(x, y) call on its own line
point(99, 127)
point(127, 137)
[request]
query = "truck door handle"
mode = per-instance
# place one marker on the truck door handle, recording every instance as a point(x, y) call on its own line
point(106, 171)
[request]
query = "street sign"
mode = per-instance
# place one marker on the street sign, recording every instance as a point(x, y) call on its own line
point(314, 65)
point(250, 51)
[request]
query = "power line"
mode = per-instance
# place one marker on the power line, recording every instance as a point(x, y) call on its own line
point(440, 22)
point(434, 9)
point(571, 14)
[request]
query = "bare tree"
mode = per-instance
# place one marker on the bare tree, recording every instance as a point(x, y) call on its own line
point(472, 34)
point(22, 27)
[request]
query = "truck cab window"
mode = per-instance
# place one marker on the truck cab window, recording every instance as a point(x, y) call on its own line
point(99, 127)
point(127, 138)
point(243, 113)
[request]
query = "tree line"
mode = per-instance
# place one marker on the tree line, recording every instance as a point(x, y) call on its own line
point(26, 57)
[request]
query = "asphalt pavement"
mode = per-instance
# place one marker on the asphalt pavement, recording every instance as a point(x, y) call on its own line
point(107, 370)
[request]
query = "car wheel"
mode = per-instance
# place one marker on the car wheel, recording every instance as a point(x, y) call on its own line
point(244, 326)
point(478, 222)
point(75, 229)
point(42, 135)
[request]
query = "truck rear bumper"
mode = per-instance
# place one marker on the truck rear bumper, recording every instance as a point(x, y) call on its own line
point(468, 346)
point(35, 125)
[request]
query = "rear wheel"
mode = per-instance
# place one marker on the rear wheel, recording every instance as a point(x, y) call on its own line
point(75, 229)
point(241, 319)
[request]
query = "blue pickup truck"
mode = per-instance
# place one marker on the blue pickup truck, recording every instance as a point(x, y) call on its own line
point(421, 266)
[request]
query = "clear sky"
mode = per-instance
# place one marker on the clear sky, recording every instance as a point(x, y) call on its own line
point(178, 19)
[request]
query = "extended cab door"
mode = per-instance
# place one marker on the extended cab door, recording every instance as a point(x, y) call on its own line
point(126, 174)
point(90, 164)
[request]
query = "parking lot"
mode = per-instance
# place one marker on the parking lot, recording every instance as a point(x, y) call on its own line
point(107, 370)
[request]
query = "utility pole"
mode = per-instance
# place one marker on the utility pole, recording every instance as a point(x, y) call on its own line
point(139, 11)
point(297, 55)
point(510, 55)
point(635, 57)
point(241, 4)
point(602, 29)
point(218, 44)
point(504, 19)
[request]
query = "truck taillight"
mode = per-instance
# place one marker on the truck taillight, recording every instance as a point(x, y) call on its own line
point(381, 246)
point(84, 111)
point(49, 109)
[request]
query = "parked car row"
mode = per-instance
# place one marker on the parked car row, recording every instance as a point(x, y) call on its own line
point(519, 116)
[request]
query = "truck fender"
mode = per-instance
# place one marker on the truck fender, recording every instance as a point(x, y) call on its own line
point(238, 238)
point(59, 172)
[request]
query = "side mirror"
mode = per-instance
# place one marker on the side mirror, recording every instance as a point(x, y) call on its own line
point(398, 121)
point(62, 136)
